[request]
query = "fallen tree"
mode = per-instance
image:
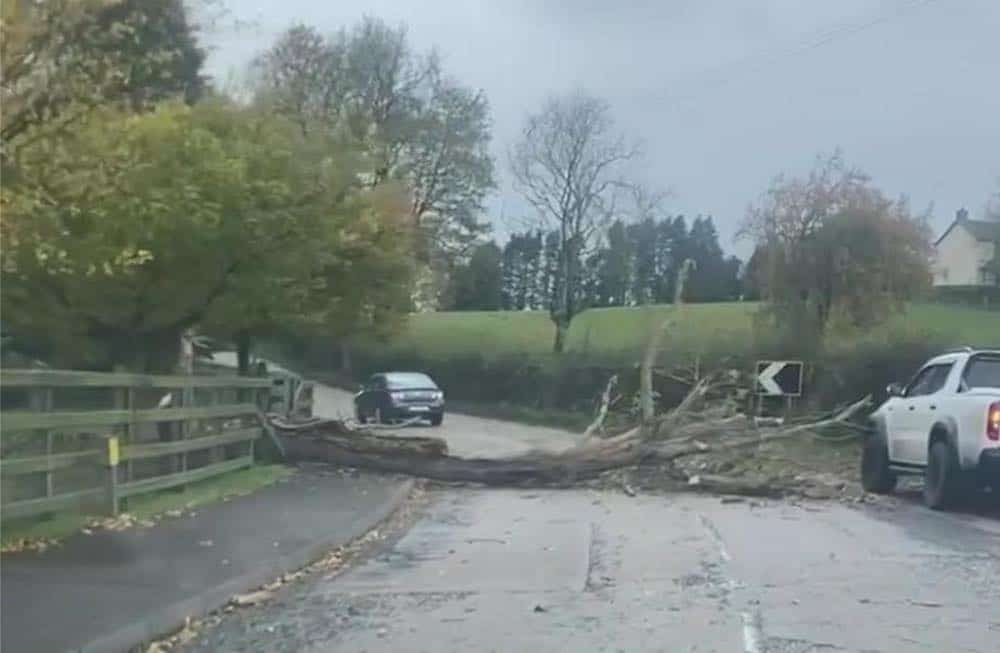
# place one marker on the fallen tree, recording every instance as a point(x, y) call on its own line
point(681, 432)
point(706, 419)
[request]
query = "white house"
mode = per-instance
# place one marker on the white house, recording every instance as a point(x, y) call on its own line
point(968, 253)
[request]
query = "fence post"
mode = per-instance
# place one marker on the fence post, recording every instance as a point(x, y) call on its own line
point(124, 399)
point(188, 425)
point(111, 462)
point(41, 401)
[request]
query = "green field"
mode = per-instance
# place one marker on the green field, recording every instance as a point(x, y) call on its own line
point(616, 332)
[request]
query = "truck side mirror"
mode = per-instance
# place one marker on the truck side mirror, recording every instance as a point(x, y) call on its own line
point(894, 389)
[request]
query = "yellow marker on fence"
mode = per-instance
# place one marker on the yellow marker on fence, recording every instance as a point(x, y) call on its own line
point(113, 452)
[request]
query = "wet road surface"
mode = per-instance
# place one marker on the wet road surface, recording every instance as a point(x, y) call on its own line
point(509, 570)
point(467, 436)
point(581, 570)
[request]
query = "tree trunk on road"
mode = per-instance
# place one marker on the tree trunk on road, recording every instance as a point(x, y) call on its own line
point(338, 443)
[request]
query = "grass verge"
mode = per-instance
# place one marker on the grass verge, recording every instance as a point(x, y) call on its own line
point(149, 506)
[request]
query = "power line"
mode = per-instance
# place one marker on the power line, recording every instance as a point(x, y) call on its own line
point(818, 40)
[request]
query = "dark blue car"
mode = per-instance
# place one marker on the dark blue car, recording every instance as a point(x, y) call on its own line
point(393, 396)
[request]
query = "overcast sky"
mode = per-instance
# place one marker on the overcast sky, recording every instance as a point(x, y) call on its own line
point(724, 93)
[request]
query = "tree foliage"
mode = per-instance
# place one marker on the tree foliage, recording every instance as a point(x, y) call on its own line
point(412, 123)
point(631, 264)
point(132, 228)
point(62, 58)
point(835, 246)
point(478, 284)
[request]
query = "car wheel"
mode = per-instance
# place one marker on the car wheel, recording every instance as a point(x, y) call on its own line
point(875, 473)
point(360, 415)
point(943, 484)
point(437, 419)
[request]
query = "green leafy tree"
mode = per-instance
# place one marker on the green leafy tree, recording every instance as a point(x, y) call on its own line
point(131, 229)
point(411, 122)
point(615, 266)
point(63, 58)
point(479, 283)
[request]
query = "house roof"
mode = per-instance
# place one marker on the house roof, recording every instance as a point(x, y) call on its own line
point(982, 230)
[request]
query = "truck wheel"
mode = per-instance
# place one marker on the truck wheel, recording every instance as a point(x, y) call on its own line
point(943, 479)
point(436, 419)
point(875, 473)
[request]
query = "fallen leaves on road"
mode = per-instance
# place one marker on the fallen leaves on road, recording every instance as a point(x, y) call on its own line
point(333, 563)
point(183, 636)
point(122, 522)
point(252, 598)
point(36, 544)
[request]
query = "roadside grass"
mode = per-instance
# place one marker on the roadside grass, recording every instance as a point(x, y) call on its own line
point(150, 506)
point(610, 334)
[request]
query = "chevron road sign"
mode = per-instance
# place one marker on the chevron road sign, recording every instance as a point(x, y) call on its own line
point(779, 378)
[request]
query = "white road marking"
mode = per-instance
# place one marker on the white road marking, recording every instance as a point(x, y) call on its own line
point(752, 634)
point(716, 537)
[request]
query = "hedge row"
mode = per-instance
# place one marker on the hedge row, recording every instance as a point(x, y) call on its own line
point(841, 372)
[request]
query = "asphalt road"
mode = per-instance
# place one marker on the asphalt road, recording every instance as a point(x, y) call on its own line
point(580, 570)
point(508, 570)
point(466, 436)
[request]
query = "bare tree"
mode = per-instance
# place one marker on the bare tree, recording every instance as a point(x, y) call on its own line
point(568, 165)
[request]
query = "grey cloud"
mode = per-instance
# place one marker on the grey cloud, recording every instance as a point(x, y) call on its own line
point(725, 93)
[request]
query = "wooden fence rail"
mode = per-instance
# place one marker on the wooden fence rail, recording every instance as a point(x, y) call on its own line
point(130, 439)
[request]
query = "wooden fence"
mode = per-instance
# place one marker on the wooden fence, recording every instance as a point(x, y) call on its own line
point(88, 441)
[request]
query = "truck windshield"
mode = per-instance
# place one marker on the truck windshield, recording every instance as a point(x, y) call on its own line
point(983, 372)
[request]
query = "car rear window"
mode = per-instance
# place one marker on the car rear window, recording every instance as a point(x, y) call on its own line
point(983, 372)
point(403, 380)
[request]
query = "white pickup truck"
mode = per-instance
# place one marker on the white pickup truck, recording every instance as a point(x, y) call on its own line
point(944, 424)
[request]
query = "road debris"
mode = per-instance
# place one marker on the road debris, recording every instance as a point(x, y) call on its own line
point(252, 598)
